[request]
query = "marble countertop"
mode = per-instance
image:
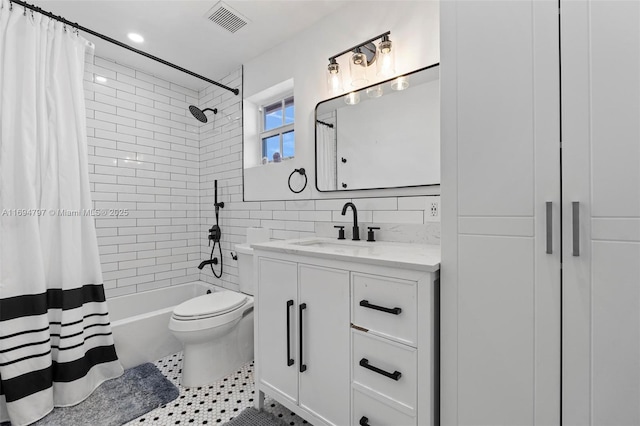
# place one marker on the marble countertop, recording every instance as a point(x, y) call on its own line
point(422, 257)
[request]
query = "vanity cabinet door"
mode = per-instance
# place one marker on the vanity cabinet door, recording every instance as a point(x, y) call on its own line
point(325, 331)
point(277, 341)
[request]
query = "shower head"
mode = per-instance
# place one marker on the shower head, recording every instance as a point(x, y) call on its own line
point(199, 113)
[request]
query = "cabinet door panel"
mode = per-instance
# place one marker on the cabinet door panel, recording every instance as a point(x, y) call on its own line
point(616, 333)
point(325, 384)
point(495, 144)
point(277, 285)
point(496, 323)
point(601, 170)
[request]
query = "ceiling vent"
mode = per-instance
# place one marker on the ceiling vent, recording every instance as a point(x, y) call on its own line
point(229, 19)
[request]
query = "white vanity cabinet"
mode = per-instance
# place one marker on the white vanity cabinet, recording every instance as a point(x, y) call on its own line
point(303, 336)
point(348, 338)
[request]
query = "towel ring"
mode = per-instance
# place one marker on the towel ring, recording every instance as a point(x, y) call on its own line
point(303, 173)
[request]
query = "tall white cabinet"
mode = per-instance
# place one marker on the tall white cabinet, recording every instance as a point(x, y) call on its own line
point(531, 333)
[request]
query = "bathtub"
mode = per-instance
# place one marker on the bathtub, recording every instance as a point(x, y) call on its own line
point(139, 322)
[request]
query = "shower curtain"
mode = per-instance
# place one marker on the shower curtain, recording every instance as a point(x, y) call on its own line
point(56, 345)
point(326, 173)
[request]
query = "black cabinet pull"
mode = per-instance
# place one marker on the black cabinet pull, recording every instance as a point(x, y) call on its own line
point(289, 359)
point(394, 311)
point(395, 375)
point(364, 421)
point(302, 307)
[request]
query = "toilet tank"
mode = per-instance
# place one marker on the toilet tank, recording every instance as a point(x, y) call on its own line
point(245, 268)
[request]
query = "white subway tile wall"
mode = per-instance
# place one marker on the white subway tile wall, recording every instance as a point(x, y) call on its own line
point(153, 167)
point(144, 164)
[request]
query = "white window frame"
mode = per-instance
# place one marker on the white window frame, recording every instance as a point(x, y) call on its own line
point(278, 131)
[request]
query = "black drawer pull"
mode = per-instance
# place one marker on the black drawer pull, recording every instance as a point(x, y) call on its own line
point(302, 307)
point(394, 311)
point(395, 375)
point(364, 421)
point(289, 359)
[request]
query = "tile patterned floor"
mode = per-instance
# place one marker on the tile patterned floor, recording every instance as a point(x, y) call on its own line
point(210, 405)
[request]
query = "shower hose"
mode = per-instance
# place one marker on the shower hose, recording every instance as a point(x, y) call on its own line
point(215, 230)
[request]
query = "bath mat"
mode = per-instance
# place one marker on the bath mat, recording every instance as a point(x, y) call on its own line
point(139, 390)
point(252, 417)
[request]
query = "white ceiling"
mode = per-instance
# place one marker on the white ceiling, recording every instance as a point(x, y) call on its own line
point(179, 32)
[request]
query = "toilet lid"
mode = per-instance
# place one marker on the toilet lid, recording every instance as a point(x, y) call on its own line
point(209, 305)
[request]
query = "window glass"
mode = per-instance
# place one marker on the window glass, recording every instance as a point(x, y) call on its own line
point(288, 144)
point(288, 110)
point(270, 146)
point(273, 116)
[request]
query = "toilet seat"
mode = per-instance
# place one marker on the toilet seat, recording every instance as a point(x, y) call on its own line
point(209, 305)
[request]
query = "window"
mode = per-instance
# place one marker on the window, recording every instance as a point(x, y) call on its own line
point(277, 136)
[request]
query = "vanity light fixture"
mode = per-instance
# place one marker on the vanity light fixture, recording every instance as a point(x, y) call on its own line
point(362, 57)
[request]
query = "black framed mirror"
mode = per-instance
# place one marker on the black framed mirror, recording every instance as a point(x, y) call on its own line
point(386, 135)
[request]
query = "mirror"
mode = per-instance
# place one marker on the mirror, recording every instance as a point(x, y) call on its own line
point(383, 136)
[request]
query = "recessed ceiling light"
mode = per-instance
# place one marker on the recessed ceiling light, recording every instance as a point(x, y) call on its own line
point(137, 38)
point(101, 79)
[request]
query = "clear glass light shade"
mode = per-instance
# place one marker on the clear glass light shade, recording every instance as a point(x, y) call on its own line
point(375, 91)
point(400, 83)
point(334, 79)
point(352, 98)
point(358, 69)
point(385, 63)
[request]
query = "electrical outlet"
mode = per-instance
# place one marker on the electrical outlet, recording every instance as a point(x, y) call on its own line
point(434, 209)
point(433, 212)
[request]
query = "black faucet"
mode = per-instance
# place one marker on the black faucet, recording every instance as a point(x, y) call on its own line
point(208, 262)
point(356, 230)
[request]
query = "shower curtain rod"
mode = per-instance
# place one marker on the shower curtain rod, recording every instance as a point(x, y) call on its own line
point(325, 124)
point(118, 43)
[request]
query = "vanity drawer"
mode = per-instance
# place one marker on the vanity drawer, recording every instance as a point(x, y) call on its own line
point(385, 306)
point(370, 411)
point(386, 367)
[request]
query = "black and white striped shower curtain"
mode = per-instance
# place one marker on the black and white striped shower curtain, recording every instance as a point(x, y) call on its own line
point(56, 345)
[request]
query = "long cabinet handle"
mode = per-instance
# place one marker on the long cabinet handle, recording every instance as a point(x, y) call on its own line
point(364, 421)
point(549, 227)
point(394, 311)
point(395, 375)
point(575, 207)
point(302, 307)
point(289, 359)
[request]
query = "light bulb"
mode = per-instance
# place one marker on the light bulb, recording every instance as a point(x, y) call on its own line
point(386, 62)
point(358, 68)
point(334, 78)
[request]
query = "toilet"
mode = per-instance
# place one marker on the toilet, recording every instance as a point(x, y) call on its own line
point(216, 330)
